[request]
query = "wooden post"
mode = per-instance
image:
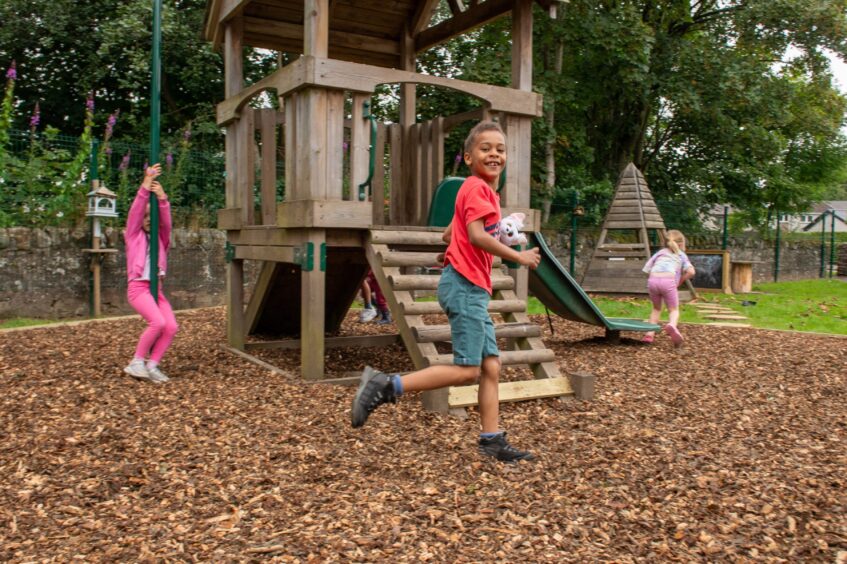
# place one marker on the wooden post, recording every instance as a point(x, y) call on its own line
point(267, 126)
point(233, 82)
point(519, 129)
point(359, 143)
point(408, 117)
point(313, 310)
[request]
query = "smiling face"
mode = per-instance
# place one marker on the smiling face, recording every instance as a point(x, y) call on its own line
point(487, 156)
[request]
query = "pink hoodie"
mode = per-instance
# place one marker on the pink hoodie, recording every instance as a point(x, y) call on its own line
point(136, 238)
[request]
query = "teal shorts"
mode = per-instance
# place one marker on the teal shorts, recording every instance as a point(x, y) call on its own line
point(471, 329)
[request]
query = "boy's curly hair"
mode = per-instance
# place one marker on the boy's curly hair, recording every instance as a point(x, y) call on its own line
point(479, 128)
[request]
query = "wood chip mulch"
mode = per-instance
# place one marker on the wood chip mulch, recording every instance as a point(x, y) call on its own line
point(732, 449)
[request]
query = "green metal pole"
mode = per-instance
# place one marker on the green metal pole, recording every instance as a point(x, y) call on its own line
point(776, 251)
point(573, 232)
point(155, 110)
point(92, 174)
point(823, 244)
point(725, 227)
point(832, 246)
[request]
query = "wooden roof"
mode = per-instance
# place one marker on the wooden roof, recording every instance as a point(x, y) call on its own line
point(361, 31)
point(633, 206)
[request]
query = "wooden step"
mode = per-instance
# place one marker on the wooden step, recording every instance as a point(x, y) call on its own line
point(494, 306)
point(411, 258)
point(430, 282)
point(466, 396)
point(507, 358)
point(441, 333)
point(386, 237)
point(726, 316)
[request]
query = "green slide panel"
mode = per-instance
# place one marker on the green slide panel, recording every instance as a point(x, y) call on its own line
point(555, 288)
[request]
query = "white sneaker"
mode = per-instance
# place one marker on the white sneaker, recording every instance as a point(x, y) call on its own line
point(136, 369)
point(157, 375)
point(368, 314)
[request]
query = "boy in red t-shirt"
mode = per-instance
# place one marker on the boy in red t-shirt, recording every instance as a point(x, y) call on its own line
point(464, 292)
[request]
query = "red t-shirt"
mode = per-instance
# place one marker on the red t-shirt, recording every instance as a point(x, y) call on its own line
point(475, 200)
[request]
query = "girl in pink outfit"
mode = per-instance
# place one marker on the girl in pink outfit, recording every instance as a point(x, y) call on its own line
point(668, 268)
point(161, 323)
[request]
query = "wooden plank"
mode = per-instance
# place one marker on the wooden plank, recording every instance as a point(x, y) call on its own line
point(259, 296)
point(395, 237)
point(324, 213)
point(334, 145)
point(424, 172)
point(267, 128)
point(540, 370)
point(430, 282)
point(507, 358)
point(417, 258)
point(441, 333)
point(316, 28)
point(494, 306)
point(235, 328)
point(466, 396)
point(359, 145)
point(265, 253)
point(633, 225)
point(422, 16)
point(233, 81)
point(462, 22)
point(357, 341)
point(312, 314)
point(290, 133)
point(396, 213)
point(411, 154)
point(229, 219)
point(436, 160)
point(245, 175)
point(378, 182)
point(261, 235)
point(522, 45)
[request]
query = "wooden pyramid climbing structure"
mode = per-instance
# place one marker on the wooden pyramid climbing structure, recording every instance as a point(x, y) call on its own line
point(624, 244)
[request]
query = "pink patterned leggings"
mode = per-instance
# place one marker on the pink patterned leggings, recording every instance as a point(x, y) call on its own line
point(161, 322)
point(663, 289)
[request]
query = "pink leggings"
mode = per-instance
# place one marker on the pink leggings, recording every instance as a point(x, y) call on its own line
point(663, 288)
point(161, 323)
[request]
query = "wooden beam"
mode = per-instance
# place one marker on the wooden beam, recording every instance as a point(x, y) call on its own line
point(324, 213)
point(276, 31)
point(313, 313)
point(442, 334)
point(466, 396)
point(522, 45)
point(266, 253)
point(356, 77)
point(423, 15)
point(358, 341)
point(463, 22)
point(268, 128)
point(456, 6)
point(316, 28)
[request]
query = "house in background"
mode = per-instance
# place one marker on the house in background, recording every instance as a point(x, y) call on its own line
point(802, 221)
point(826, 209)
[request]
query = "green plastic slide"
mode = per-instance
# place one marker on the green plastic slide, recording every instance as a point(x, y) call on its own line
point(555, 288)
point(550, 282)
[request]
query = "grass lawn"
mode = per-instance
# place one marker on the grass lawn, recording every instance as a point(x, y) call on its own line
point(15, 322)
point(806, 305)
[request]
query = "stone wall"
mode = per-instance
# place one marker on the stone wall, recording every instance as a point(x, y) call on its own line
point(44, 273)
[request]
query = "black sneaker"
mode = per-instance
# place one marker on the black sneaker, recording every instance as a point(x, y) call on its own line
point(497, 447)
point(375, 388)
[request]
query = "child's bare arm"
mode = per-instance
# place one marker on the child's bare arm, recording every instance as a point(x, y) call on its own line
point(480, 239)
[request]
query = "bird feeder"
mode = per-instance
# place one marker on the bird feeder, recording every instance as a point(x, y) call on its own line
point(102, 202)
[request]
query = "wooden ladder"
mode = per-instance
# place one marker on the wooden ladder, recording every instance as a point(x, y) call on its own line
point(389, 251)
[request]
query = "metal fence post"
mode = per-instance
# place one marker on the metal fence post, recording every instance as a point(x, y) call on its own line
point(776, 251)
point(832, 246)
point(823, 244)
point(573, 232)
point(155, 110)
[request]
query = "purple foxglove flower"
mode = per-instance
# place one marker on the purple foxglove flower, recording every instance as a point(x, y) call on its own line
point(12, 73)
point(186, 135)
point(89, 102)
point(125, 161)
point(36, 117)
point(345, 145)
point(458, 158)
point(108, 150)
point(169, 159)
point(110, 124)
